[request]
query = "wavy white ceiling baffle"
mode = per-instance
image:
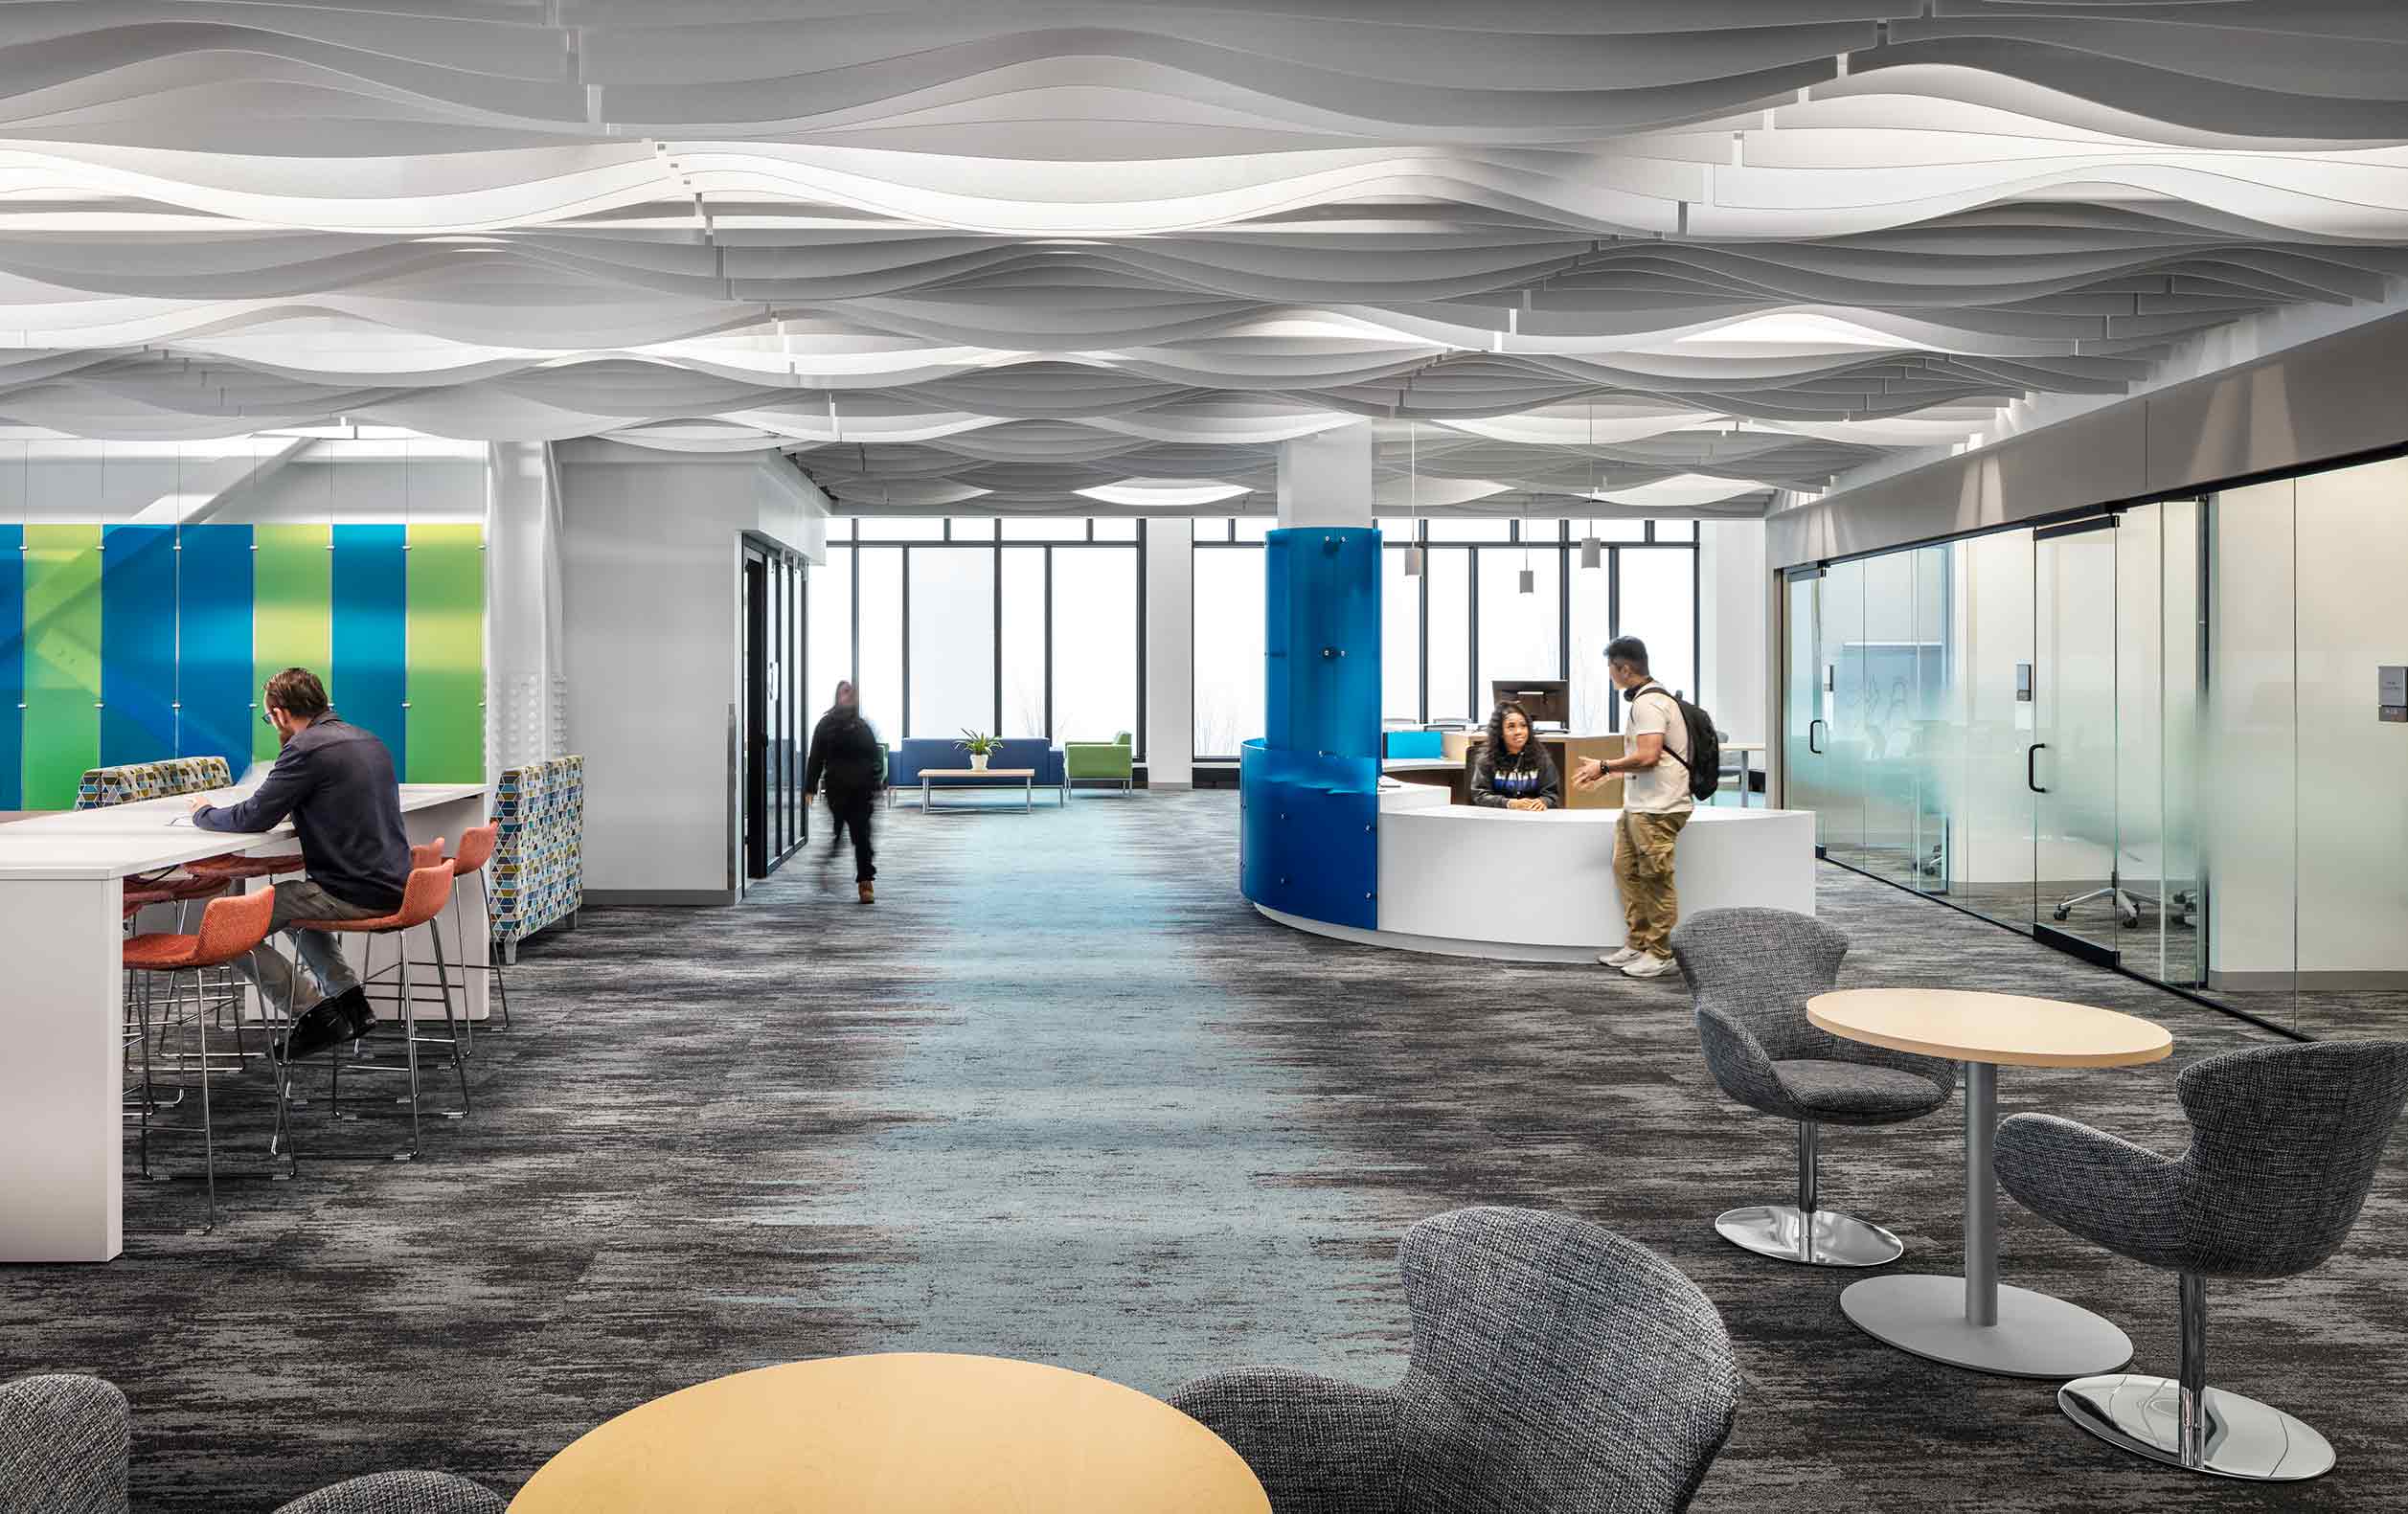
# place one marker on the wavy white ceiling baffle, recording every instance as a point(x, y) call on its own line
point(1655, 253)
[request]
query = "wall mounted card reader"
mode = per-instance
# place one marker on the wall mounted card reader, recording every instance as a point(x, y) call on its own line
point(2023, 682)
point(2391, 692)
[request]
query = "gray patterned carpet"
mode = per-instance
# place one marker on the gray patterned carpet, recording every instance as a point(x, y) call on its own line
point(1062, 1095)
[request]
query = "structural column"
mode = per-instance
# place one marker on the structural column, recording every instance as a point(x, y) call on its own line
point(1326, 479)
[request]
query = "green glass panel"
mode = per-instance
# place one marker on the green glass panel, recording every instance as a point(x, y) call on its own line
point(62, 661)
point(292, 622)
point(445, 742)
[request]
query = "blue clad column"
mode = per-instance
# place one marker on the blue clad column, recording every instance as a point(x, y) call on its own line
point(1309, 787)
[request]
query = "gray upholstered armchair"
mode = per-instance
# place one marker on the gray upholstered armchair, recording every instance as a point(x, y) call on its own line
point(1750, 974)
point(2285, 1144)
point(1556, 1369)
point(63, 1451)
point(62, 1446)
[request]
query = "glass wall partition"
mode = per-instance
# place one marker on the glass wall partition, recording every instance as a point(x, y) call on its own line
point(2154, 737)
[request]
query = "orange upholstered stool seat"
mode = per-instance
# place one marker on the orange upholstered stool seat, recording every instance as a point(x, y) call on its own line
point(230, 926)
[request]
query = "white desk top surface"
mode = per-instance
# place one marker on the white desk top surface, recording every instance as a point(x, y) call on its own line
point(126, 839)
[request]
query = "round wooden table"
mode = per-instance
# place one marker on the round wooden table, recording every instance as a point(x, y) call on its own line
point(902, 1434)
point(1975, 1321)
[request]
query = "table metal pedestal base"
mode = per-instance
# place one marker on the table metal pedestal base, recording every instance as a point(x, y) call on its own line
point(1825, 1238)
point(2036, 1336)
point(2244, 1439)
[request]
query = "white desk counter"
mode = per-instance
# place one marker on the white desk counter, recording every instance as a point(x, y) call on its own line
point(62, 881)
point(1468, 881)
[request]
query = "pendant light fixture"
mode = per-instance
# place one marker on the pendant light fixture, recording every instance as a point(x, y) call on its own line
point(1413, 507)
point(1592, 550)
point(1530, 579)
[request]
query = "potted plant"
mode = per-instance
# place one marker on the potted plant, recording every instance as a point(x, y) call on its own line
point(979, 747)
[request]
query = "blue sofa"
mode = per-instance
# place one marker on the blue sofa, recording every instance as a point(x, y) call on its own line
point(903, 770)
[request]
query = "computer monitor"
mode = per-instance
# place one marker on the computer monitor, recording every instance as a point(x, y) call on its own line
point(1549, 700)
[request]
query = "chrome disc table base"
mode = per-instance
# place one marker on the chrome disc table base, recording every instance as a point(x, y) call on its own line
point(1824, 1238)
point(2036, 1336)
point(2244, 1438)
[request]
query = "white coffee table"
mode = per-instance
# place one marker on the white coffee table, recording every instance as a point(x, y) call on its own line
point(1975, 1321)
point(928, 786)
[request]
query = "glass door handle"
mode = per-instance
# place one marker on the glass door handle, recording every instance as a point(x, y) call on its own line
point(2030, 766)
point(1810, 725)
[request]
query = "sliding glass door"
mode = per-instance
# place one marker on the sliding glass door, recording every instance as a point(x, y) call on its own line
point(2153, 737)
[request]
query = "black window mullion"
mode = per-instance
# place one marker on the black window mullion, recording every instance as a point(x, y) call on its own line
point(995, 590)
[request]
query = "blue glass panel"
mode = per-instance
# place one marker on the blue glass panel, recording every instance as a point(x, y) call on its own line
point(214, 630)
point(137, 644)
point(12, 666)
point(369, 640)
point(1307, 834)
point(1321, 641)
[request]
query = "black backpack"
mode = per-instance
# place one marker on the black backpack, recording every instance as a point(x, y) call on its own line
point(1705, 746)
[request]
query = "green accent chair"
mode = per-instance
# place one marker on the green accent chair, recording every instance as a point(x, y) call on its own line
point(1110, 761)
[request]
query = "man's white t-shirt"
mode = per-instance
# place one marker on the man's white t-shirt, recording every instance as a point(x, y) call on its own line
point(1664, 788)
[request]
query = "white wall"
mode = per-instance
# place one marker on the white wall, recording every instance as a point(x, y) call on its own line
point(1731, 607)
point(243, 479)
point(1170, 652)
point(651, 564)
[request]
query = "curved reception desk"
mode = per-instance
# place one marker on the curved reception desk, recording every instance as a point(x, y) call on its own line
point(1475, 882)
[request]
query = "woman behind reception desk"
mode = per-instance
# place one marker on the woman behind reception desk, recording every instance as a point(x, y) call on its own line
point(1511, 771)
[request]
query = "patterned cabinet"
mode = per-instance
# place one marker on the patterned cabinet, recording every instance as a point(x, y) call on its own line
point(538, 865)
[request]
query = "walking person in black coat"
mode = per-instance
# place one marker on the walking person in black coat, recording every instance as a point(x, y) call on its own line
point(848, 754)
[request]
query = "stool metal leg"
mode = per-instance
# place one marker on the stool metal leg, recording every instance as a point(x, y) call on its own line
point(459, 1057)
point(209, 1133)
point(2183, 1422)
point(1806, 1233)
point(409, 1042)
point(501, 980)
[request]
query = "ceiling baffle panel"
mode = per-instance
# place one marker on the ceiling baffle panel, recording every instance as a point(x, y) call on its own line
point(1000, 256)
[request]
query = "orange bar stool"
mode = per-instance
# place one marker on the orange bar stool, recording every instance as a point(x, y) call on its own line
point(476, 850)
point(430, 854)
point(230, 926)
point(422, 899)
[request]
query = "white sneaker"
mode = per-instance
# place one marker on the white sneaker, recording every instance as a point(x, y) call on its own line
point(1648, 967)
point(1627, 955)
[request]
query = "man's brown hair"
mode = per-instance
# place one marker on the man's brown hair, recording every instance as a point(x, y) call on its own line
point(297, 692)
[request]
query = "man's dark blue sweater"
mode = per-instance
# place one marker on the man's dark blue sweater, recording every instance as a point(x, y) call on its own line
point(336, 782)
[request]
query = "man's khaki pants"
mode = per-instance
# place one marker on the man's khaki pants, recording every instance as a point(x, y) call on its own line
point(1643, 865)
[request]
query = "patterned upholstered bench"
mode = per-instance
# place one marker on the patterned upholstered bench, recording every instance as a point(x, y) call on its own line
point(538, 865)
point(130, 781)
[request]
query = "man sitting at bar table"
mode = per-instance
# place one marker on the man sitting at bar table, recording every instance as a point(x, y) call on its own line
point(1511, 771)
point(336, 782)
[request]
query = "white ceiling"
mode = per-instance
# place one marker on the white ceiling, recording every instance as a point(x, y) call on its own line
point(1669, 253)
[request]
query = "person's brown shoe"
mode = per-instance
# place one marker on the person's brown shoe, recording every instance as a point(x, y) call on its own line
point(868, 896)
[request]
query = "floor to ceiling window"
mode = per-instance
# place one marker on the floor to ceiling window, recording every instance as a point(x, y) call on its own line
point(1018, 627)
point(1464, 622)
